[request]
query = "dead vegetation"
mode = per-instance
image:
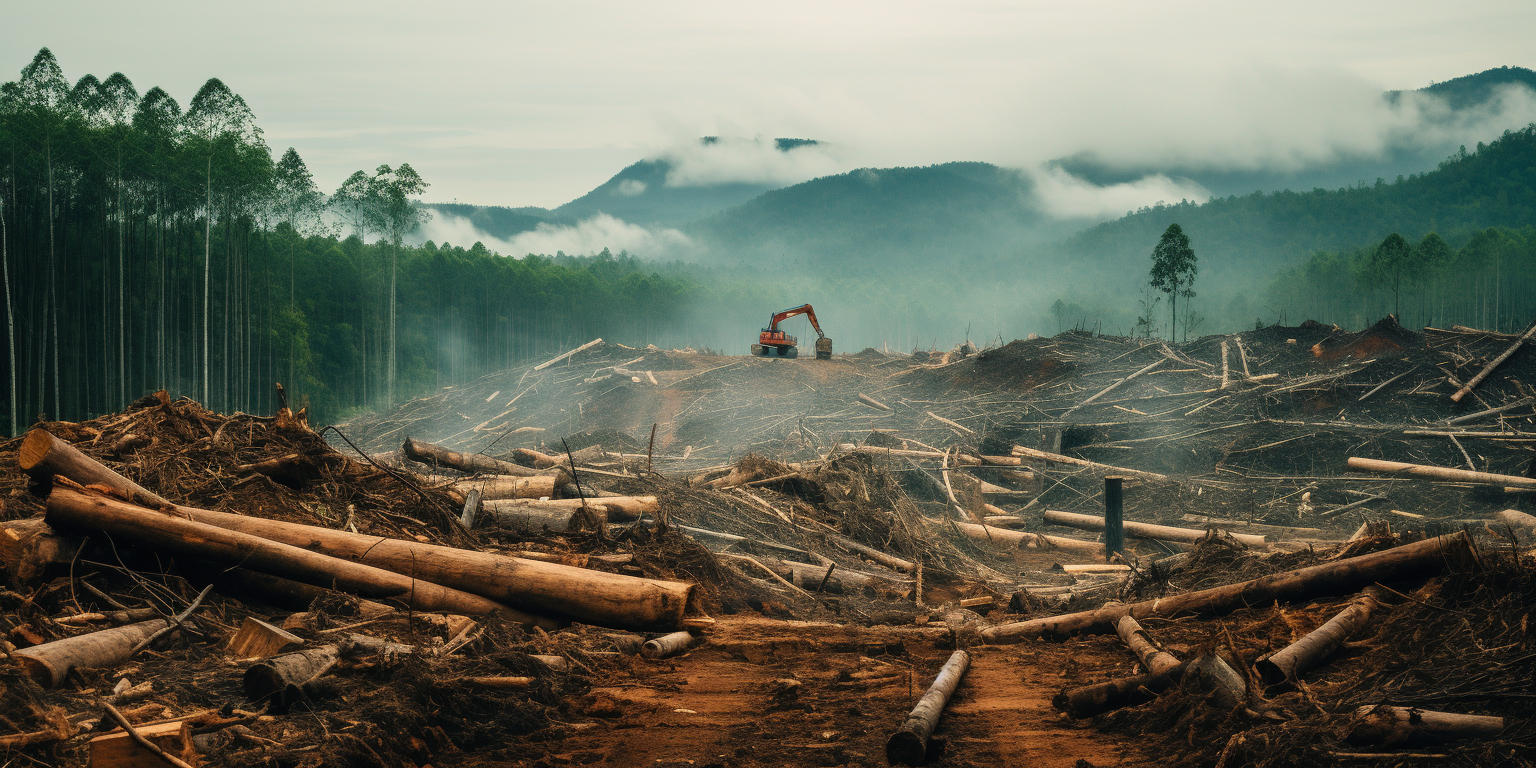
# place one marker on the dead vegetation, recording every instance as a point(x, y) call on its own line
point(837, 529)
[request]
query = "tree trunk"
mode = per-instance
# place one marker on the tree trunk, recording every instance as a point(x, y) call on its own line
point(1386, 726)
point(437, 455)
point(43, 455)
point(909, 744)
point(1441, 473)
point(1209, 674)
point(617, 507)
point(1153, 660)
point(1419, 559)
point(1471, 384)
point(669, 645)
point(502, 487)
point(68, 507)
point(1290, 662)
point(534, 520)
point(1149, 530)
point(1031, 453)
point(591, 597)
point(29, 549)
point(50, 663)
point(1012, 538)
point(279, 681)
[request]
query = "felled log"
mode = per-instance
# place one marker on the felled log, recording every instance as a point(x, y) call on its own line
point(884, 558)
point(548, 461)
point(875, 450)
point(126, 616)
point(502, 487)
point(30, 548)
point(1419, 559)
point(532, 520)
point(1521, 403)
point(279, 681)
point(1011, 538)
point(1441, 473)
point(553, 663)
point(1209, 674)
point(294, 470)
point(256, 639)
point(591, 597)
point(558, 358)
point(1466, 389)
point(437, 455)
point(1291, 661)
point(1225, 524)
point(1516, 519)
point(1031, 453)
point(278, 591)
point(957, 426)
point(1140, 643)
point(517, 683)
point(42, 456)
point(909, 744)
point(669, 645)
point(873, 403)
point(70, 508)
point(119, 749)
point(50, 663)
point(1386, 726)
point(617, 507)
point(1148, 530)
point(1117, 385)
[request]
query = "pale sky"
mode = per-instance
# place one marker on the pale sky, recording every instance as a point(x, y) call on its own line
point(514, 103)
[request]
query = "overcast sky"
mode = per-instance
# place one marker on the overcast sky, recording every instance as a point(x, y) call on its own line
point(513, 103)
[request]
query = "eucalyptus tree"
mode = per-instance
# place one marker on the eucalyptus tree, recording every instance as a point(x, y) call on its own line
point(116, 98)
point(1390, 263)
point(156, 136)
point(1174, 270)
point(397, 216)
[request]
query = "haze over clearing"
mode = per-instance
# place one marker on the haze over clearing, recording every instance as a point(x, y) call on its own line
point(527, 104)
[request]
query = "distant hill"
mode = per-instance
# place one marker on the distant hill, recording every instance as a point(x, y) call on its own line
point(1494, 185)
point(640, 194)
point(886, 214)
point(1472, 90)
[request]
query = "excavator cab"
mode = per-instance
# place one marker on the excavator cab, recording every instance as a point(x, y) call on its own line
point(773, 342)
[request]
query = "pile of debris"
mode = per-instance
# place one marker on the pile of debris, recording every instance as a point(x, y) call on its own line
point(643, 556)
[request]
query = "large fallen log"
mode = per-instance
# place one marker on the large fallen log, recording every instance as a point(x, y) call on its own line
point(279, 681)
point(72, 509)
point(884, 558)
point(533, 520)
point(50, 663)
point(1466, 389)
point(1441, 473)
point(1031, 453)
point(1420, 559)
point(1207, 674)
point(1152, 659)
point(1386, 726)
point(43, 455)
point(1012, 538)
point(547, 461)
point(437, 455)
point(505, 487)
point(1517, 520)
point(617, 507)
point(551, 589)
point(909, 744)
point(1290, 662)
point(1149, 530)
point(29, 549)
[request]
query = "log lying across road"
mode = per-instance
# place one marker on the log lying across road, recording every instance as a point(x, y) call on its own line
point(1421, 558)
point(1149, 530)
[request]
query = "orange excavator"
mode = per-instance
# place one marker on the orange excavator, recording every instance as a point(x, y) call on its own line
point(774, 342)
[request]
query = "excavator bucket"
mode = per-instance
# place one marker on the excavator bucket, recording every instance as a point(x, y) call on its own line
point(824, 348)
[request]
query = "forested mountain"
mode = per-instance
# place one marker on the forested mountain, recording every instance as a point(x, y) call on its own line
point(1492, 186)
point(499, 221)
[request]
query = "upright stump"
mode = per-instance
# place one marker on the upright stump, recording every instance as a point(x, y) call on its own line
point(1114, 517)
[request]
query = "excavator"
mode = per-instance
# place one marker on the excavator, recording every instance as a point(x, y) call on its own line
point(774, 342)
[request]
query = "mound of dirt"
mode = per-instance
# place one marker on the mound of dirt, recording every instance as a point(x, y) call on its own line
point(1018, 365)
point(1385, 337)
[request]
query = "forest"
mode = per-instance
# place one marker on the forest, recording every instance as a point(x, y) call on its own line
point(148, 246)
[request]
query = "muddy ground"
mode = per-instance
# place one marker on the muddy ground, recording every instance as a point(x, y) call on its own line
point(775, 451)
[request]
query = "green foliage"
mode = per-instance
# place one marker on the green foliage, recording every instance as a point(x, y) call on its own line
point(1173, 270)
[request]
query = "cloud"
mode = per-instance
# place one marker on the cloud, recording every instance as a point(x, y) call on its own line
point(631, 187)
point(1064, 196)
point(586, 237)
point(754, 161)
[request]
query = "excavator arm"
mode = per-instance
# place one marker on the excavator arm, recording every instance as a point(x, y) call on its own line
point(803, 309)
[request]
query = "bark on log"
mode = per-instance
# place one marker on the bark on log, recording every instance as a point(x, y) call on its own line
point(617, 507)
point(173, 533)
point(1386, 726)
point(1419, 559)
point(30, 548)
point(42, 456)
point(1441, 473)
point(1516, 519)
point(1206, 674)
point(884, 558)
point(504, 487)
point(533, 520)
point(1290, 662)
point(1013, 538)
point(279, 681)
point(1472, 383)
point(1139, 641)
point(1148, 530)
point(550, 461)
point(516, 683)
point(437, 455)
point(1031, 453)
point(591, 597)
point(50, 663)
point(669, 645)
point(909, 744)
point(873, 403)
point(1115, 386)
point(558, 358)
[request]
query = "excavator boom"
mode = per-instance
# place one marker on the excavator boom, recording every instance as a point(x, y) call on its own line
point(774, 342)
